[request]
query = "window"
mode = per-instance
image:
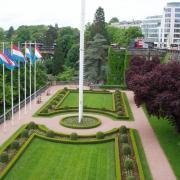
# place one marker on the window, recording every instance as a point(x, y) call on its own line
point(176, 35)
point(177, 30)
point(177, 10)
point(167, 15)
point(177, 15)
point(167, 20)
point(167, 10)
point(177, 25)
point(177, 20)
point(167, 30)
point(167, 25)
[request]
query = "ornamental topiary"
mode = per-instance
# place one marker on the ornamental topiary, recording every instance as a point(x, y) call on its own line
point(32, 125)
point(123, 130)
point(131, 178)
point(124, 138)
point(25, 133)
point(100, 135)
point(128, 164)
point(4, 157)
point(126, 149)
point(15, 145)
point(73, 136)
point(50, 133)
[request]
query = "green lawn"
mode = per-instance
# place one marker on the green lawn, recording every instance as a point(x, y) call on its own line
point(91, 100)
point(48, 160)
point(169, 140)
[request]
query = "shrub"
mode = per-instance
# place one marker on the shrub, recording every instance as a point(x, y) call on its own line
point(131, 178)
point(123, 130)
point(15, 145)
point(99, 135)
point(124, 138)
point(128, 164)
point(31, 131)
point(126, 149)
point(65, 88)
point(4, 157)
point(50, 134)
point(73, 136)
point(25, 133)
point(32, 125)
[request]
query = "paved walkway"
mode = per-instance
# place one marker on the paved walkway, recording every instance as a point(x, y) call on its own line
point(158, 162)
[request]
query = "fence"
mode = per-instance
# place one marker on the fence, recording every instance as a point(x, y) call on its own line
point(22, 104)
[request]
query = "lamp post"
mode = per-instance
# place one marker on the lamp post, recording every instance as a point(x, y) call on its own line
point(81, 60)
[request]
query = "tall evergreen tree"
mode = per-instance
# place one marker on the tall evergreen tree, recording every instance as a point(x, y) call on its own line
point(10, 33)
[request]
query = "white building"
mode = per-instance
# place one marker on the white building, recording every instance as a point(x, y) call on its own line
point(151, 28)
point(164, 30)
point(127, 24)
point(170, 34)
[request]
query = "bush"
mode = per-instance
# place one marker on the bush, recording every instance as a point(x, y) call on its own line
point(50, 134)
point(131, 178)
point(15, 145)
point(73, 136)
point(99, 135)
point(31, 131)
point(124, 138)
point(123, 130)
point(4, 157)
point(32, 125)
point(25, 133)
point(126, 149)
point(65, 88)
point(128, 164)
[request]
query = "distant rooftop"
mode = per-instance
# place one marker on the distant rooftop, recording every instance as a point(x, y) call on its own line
point(173, 4)
point(154, 17)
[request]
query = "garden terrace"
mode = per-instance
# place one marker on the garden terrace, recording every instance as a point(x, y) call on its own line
point(102, 102)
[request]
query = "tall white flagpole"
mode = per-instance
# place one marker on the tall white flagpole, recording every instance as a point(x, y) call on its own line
point(4, 96)
point(12, 96)
point(30, 78)
point(81, 63)
point(19, 91)
point(25, 81)
point(35, 78)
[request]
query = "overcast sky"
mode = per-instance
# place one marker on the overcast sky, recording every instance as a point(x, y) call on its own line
point(67, 12)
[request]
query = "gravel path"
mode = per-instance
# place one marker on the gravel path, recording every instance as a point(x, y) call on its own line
point(158, 162)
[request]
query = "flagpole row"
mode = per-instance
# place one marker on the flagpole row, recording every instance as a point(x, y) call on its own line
point(19, 91)
point(30, 80)
point(25, 93)
point(35, 77)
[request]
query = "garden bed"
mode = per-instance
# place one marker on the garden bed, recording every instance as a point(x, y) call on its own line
point(87, 122)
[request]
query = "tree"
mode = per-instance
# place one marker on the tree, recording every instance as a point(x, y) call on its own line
point(1, 34)
point(158, 86)
point(10, 33)
point(99, 25)
point(96, 59)
point(114, 20)
point(67, 74)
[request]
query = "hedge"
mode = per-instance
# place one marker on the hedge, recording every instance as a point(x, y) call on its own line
point(117, 159)
point(106, 86)
point(16, 157)
point(67, 93)
point(140, 169)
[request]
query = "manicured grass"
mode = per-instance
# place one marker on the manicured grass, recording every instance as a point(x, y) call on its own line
point(142, 156)
point(91, 100)
point(48, 160)
point(169, 140)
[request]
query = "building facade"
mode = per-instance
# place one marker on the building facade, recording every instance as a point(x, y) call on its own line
point(127, 24)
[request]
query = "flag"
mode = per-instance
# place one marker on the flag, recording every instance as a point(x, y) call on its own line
point(37, 54)
point(28, 53)
point(6, 61)
point(11, 57)
point(17, 54)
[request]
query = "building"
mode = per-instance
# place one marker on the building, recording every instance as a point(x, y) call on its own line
point(170, 34)
point(151, 28)
point(127, 24)
point(164, 30)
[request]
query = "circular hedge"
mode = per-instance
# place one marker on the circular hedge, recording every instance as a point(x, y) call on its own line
point(88, 122)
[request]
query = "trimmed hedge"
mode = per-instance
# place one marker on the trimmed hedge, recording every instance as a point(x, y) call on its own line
point(117, 159)
point(100, 135)
point(4, 157)
point(139, 165)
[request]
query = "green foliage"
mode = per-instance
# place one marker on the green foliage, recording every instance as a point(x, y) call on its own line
point(124, 138)
point(50, 133)
point(25, 133)
point(114, 20)
point(123, 36)
point(15, 144)
point(66, 75)
point(32, 125)
point(100, 135)
point(96, 59)
point(2, 34)
point(130, 178)
point(4, 157)
point(128, 164)
point(116, 63)
point(73, 136)
point(123, 130)
point(126, 149)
